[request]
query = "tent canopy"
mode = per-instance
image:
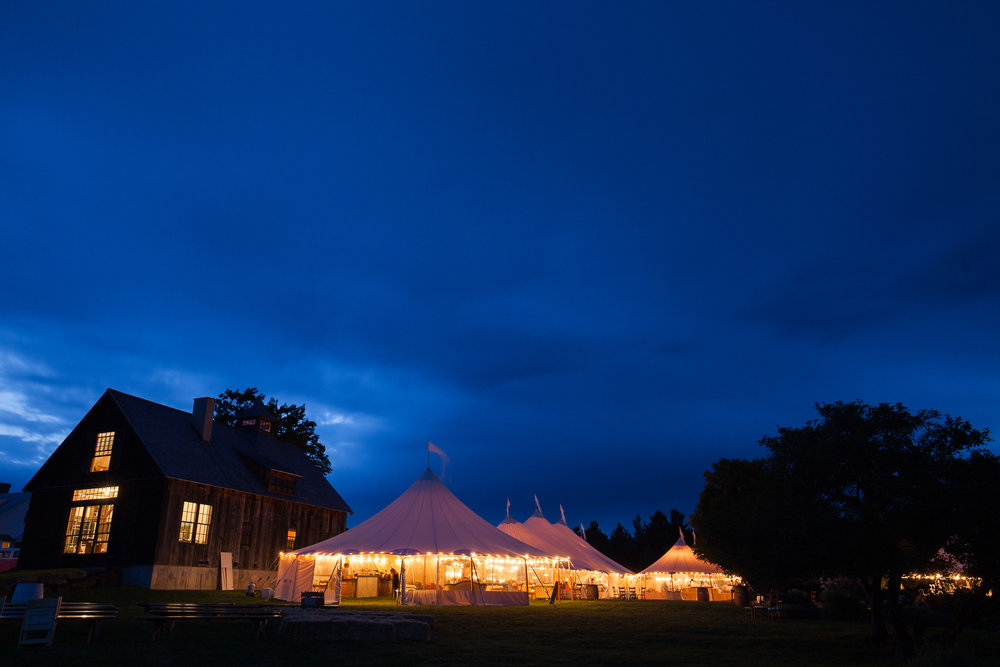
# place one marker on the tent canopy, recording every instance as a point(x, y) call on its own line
point(560, 540)
point(426, 519)
point(681, 558)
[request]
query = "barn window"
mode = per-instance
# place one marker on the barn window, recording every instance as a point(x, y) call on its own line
point(100, 493)
point(281, 482)
point(196, 518)
point(290, 542)
point(88, 529)
point(102, 452)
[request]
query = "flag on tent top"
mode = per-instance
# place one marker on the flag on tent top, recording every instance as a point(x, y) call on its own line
point(562, 514)
point(431, 447)
point(538, 506)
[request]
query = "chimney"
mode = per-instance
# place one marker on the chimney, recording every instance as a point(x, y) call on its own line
point(204, 414)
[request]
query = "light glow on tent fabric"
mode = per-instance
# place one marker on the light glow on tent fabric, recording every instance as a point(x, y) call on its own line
point(443, 552)
point(447, 571)
point(587, 565)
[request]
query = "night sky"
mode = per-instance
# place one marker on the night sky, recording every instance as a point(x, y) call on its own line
point(587, 249)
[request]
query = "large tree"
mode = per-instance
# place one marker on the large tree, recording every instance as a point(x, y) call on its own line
point(975, 543)
point(865, 491)
point(291, 425)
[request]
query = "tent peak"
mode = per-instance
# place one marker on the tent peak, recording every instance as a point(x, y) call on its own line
point(428, 475)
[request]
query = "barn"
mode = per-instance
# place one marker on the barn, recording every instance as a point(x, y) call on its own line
point(175, 500)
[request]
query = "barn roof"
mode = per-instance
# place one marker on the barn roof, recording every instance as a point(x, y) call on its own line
point(172, 438)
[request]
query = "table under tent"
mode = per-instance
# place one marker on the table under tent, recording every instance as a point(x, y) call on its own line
point(680, 575)
point(443, 552)
point(592, 574)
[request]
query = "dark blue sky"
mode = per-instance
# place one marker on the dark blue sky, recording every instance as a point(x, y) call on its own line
point(585, 248)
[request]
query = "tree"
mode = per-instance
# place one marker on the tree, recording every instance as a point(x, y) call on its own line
point(291, 425)
point(596, 537)
point(654, 537)
point(864, 491)
point(975, 544)
point(621, 547)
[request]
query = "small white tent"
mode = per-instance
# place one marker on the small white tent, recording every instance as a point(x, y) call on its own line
point(443, 551)
point(679, 573)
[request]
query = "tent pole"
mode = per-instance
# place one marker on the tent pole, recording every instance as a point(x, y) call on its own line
point(540, 582)
point(472, 582)
point(526, 580)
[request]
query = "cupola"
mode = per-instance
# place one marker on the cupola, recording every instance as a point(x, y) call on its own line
point(258, 417)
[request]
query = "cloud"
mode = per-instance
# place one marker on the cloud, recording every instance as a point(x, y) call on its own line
point(29, 436)
point(16, 403)
point(13, 363)
point(328, 418)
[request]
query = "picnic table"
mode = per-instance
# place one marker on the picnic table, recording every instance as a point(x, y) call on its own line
point(92, 613)
point(162, 613)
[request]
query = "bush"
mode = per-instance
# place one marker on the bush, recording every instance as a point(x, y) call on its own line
point(797, 604)
point(842, 605)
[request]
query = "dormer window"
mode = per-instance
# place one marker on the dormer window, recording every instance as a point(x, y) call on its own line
point(281, 482)
point(258, 417)
point(256, 424)
point(102, 452)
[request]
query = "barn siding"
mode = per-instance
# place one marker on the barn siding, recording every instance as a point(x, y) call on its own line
point(269, 521)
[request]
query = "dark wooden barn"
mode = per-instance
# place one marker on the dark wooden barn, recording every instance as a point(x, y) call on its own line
point(164, 495)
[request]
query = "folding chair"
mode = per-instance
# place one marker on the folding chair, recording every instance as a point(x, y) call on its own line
point(39, 624)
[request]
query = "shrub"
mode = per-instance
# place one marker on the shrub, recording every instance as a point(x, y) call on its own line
point(842, 605)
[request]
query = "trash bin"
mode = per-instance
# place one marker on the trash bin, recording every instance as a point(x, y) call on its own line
point(590, 592)
point(312, 599)
point(703, 594)
point(741, 596)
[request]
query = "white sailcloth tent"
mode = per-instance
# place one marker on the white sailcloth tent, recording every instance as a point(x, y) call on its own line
point(679, 573)
point(589, 566)
point(443, 551)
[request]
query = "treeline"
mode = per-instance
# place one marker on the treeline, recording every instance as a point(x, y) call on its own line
point(647, 541)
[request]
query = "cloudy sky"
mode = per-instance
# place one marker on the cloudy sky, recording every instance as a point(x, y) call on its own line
point(586, 248)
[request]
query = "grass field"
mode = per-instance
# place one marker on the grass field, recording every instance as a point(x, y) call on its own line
point(577, 633)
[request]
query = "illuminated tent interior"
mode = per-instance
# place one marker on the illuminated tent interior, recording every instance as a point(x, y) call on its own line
point(589, 567)
point(679, 573)
point(444, 552)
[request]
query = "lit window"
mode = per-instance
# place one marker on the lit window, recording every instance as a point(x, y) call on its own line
point(196, 519)
point(290, 543)
point(88, 529)
point(102, 452)
point(102, 493)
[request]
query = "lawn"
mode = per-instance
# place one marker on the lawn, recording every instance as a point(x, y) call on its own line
point(603, 632)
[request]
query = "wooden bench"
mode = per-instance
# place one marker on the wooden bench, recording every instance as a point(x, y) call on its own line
point(162, 613)
point(92, 613)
